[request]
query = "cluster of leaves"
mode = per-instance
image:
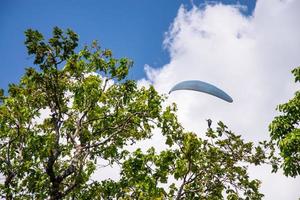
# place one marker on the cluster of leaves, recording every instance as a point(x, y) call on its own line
point(285, 131)
point(211, 168)
point(87, 117)
point(79, 108)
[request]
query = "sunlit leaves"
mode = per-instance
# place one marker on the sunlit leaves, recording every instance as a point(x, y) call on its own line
point(285, 131)
point(211, 168)
point(92, 113)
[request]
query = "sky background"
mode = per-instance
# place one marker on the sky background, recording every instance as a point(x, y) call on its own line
point(247, 48)
point(133, 29)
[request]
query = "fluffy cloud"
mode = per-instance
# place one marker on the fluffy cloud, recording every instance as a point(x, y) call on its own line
point(249, 57)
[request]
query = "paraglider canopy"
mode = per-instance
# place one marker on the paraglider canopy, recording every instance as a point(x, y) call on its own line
point(201, 86)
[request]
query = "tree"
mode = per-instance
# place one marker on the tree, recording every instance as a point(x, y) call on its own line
point(92, 113)
point(285, 132)
point(205, 168)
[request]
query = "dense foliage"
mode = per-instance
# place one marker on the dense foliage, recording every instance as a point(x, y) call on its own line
point(78, 108)
point(285, 131)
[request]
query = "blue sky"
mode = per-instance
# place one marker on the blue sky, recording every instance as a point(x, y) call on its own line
point(134, 28)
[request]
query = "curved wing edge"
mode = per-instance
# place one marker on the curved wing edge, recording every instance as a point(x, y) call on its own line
point(201, 86)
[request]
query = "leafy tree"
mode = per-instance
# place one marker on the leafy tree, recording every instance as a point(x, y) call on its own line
point(285, 131)
point(88, 119)
point(204, 169)
point(93, 113)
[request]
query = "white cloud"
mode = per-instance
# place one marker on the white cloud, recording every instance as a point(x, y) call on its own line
point(249, 57)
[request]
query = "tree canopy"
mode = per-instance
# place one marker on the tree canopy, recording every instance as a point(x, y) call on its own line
point(77, 108)
point(285, 131)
